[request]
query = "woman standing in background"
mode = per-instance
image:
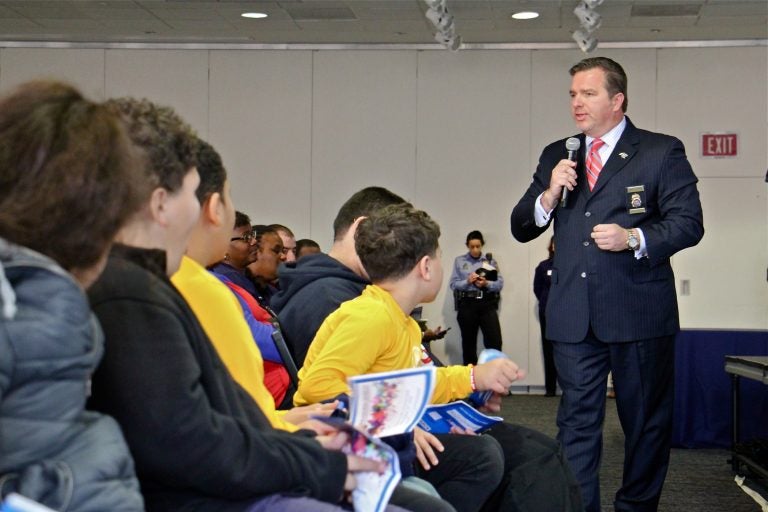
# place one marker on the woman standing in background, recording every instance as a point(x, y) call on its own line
point(476, 284)
point(542, 279)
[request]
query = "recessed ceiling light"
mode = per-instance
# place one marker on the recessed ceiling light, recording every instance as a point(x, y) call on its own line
point(525, 15)
point(255, 15)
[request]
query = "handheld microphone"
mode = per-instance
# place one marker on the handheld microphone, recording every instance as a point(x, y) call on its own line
point(572, 145)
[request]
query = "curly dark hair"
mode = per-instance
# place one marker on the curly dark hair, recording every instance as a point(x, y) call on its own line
point(392, 240)
point(170, 144)
point(69, 175)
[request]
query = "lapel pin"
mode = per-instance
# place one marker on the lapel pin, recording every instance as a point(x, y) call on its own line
point(623, 155)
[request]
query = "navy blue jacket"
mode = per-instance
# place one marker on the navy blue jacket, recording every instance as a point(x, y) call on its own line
point(621, 297)
point(309, 292)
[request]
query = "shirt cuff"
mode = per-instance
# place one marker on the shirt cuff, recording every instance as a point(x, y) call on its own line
point(540, 215)
point(642, 251)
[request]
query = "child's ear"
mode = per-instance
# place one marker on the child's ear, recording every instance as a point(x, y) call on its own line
point(425, 268)
point(213, 209)
point(157, 206)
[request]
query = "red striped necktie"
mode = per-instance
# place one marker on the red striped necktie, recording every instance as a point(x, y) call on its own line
point(594, 163)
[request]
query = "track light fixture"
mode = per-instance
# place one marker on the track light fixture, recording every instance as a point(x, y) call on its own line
point(443, 21)
point(587, 43)
point(590, 21)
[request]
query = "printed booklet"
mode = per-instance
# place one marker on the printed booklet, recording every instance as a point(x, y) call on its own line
point(381, 405)
point(439, 419)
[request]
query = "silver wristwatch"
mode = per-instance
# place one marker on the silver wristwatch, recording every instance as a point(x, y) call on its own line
point(633, 242)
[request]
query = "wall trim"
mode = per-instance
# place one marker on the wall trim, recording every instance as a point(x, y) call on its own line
point(356, 46)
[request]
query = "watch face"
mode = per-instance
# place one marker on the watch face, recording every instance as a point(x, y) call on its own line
point(633, 242)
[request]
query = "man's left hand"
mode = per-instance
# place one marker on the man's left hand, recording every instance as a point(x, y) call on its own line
point(610, 237)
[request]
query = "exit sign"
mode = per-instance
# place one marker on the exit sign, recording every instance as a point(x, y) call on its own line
point(719, 145)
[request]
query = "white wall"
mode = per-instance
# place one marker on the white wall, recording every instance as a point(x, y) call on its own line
point(460, 135)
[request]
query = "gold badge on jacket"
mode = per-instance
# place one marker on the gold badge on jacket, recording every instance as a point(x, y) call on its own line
point(636, 199)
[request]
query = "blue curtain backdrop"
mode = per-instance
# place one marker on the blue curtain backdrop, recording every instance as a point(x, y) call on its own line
point(703, 397)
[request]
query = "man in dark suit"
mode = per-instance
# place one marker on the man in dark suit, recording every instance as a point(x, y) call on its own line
point(632, 203)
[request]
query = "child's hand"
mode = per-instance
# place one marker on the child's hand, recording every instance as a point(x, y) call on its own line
point(497, 375)
point(426, 444)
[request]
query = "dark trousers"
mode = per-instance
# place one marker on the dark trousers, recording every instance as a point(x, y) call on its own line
point(474, 314)
point(415, 501)
point(302, 504)
point(643, 377)
point(469, 470)
point(550, 370)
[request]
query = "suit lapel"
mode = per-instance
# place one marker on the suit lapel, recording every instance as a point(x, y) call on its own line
point(622, 154)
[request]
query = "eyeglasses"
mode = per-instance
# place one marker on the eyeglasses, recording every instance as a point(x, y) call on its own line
point(247, 237)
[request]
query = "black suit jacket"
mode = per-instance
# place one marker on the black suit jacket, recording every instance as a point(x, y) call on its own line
point(621, 297)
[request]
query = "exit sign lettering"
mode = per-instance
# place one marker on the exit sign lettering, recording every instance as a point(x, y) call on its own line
point(719, 145)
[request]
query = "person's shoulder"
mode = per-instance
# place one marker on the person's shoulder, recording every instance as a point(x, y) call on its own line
point(649, 137)
point(128, 281)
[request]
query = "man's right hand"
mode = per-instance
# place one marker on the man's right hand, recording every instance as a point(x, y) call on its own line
point(497, 375)
point(563, 176)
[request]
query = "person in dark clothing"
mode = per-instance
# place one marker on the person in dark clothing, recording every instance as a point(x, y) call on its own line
point(632, 204)
point(542, 279)
point(536, 476)
point(199, 440)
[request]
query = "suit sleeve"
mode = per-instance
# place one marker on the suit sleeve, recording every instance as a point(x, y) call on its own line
point(681, 222)
point(522, 220)
point(153, 382)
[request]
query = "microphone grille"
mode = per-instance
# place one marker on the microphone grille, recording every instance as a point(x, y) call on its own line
point(572, 144)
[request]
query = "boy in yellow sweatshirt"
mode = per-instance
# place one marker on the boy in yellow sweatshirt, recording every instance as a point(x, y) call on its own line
point(398, 247)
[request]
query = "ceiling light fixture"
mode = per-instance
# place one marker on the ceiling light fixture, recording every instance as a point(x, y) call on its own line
point(442, 20)
point(254, 15)
point(525, 15)
point(590, 21)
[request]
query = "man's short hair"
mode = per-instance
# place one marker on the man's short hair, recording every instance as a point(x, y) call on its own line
point(392, 240)
point(615, 77)
point(211, 171)
point(170, 145)
point(69, 175)
point(306, 242)
point(260, 230)
point(362, 204)
point(279, 228)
